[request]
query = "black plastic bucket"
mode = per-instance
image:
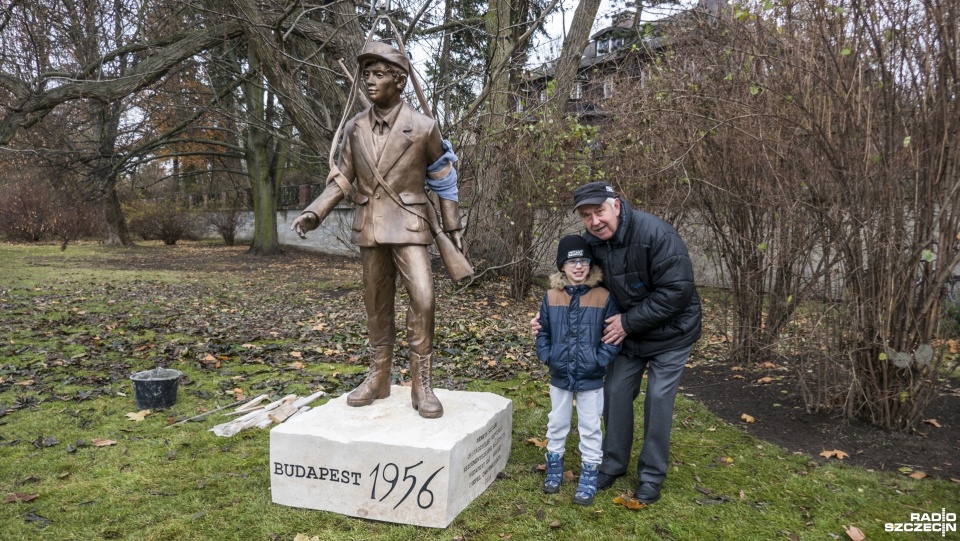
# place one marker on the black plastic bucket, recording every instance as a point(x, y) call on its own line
point(156, 389)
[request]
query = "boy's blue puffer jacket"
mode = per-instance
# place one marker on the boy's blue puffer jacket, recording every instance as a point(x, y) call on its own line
point(572, 320)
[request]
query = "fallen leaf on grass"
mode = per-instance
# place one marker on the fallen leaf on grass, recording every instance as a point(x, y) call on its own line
point(854, 533)
point(101, 442)
point(932, 422)
point(767, 364)
point(555, 524)
point(41, 520)
point(534, 441)
point(766, 379)
point(303, 537)
point(49, 441)
point(138, 416)
point(746, 418)
point(836, 453)
point(917, 475)
point(19, 497)
point(296, 354)
point(628, 502)
point(296, 365)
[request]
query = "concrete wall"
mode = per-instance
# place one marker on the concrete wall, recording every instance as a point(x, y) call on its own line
point(333, 237)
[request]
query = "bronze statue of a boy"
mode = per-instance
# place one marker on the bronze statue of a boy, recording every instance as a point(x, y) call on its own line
point(387, 151)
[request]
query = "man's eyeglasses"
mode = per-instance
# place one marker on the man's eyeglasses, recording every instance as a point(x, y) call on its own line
point(578, 262)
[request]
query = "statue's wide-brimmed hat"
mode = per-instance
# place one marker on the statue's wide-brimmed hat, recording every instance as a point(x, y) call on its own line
point(377, 50)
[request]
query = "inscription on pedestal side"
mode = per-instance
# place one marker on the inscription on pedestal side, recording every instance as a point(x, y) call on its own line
point(482, 459)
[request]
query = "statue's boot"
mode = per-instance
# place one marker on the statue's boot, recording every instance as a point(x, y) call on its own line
point(377, 383)
point(421, 393)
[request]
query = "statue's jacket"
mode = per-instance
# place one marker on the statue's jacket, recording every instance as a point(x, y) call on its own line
point(413, 144)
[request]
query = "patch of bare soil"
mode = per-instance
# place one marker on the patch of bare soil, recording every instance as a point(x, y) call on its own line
point(779, 417)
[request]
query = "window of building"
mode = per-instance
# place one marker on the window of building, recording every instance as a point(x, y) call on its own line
point(603, 46)
point(577, 91)
point(608, 87)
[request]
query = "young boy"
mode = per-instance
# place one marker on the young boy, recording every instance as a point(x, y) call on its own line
point(572, 318)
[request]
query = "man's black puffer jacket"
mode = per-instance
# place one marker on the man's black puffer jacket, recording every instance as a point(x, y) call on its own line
point(648, 271)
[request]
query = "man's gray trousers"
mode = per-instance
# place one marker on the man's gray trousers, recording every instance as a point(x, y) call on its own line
point(621, 388)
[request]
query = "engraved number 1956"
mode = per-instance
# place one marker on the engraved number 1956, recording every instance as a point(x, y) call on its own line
point(390, 473)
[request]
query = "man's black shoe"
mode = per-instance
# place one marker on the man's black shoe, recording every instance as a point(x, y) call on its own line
point(605, 480)
point(647, 492)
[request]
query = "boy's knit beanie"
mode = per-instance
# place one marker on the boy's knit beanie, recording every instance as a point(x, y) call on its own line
point(572, 247)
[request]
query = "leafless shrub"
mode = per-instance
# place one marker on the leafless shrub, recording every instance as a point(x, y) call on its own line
point(37, 211)
point(23, 214)
point(227, 220)
point(166, 220)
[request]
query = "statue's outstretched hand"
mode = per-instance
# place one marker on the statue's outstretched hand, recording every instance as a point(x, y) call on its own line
point(308, 221)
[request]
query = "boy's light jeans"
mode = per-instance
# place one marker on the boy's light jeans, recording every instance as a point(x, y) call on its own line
point(589, 411)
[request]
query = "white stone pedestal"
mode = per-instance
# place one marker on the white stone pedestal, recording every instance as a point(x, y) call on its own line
point(385, 462)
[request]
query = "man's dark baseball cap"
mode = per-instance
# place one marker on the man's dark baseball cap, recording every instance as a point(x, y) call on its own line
point(377, 50)
point(594, 193)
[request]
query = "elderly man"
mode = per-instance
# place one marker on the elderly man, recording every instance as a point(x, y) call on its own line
point(648, 271)
point(392, 151)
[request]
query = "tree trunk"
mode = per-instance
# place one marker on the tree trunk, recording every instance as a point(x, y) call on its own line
point(116, 224)
point(105, 119)
point(565, 76)
point(256, 149)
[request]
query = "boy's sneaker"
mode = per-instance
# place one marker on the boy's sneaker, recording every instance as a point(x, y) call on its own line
point(551, 485)
point(588, 485)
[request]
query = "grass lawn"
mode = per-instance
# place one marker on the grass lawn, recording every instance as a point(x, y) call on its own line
point(76, 324)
